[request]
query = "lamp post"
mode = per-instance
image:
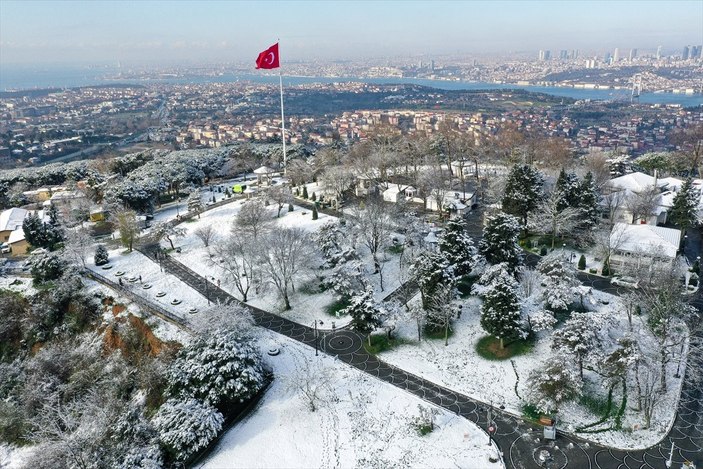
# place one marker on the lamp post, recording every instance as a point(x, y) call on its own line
point(207, 293)
point(315, 326)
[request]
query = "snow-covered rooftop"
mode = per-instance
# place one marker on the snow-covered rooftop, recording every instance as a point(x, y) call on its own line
point(655, 240)
point(12, 218)
point(635, 182)
point(16, 236)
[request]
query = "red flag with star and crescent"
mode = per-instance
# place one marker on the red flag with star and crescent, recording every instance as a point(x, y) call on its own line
point(268, 58)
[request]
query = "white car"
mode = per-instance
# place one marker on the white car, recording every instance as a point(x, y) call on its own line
point(5, 248)
point(628, 282)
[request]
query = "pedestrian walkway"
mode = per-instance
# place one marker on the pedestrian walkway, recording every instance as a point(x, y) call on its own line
point(520, 441)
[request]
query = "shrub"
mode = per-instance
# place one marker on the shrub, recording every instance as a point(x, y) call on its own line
point(606, 269)
point(593, 271)
point(582, 262)
point(187, 426)
point(101, 255)
point(314, 210)
point(543, 251)
point(290, 207)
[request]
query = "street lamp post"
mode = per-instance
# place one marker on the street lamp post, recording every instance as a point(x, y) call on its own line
point(315, 326)
point(207, 293)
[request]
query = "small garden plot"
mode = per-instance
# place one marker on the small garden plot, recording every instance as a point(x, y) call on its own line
point(461, 366)
point(358, 422)
point(310, 297)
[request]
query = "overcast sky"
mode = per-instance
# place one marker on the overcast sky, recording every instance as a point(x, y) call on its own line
point(202, 31)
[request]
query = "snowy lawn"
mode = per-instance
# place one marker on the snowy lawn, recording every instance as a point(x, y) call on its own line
point(134, 265)
point(21, 285)
point(308, 304)
point(363, 423)
point(458, 366)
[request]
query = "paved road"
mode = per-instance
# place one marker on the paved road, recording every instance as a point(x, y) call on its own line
point(520, 442)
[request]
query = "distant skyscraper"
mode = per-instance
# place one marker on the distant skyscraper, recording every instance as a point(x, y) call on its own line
point(659, 52)
point(616, 55)
point(432, 65)
point(563, 54)
point(574, 54)
point(697, 52)
point(547, 55)
point(541, 55)
point(685, 53)
point(633, 54)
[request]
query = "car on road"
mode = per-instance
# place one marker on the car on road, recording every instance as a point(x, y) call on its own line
point(622, 281)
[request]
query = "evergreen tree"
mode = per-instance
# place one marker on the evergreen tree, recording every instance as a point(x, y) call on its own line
point(578, 337)
point(499, 242)
point(305, 192)
point(568, 187)
point(314, 211)
point(552, 385)
point(290, 207)
point(186, 426)
point(53, 214)
point(582, 262)
point(500, 311)
point(431, 271)
point(558, 281)
point(523, 192)
point(457, 247)
point(365, 313)
point(587, 203)
point(101, 255)
point(683, 213)
point(40, 234)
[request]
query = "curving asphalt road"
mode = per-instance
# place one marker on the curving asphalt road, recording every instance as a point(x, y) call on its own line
point(521, 443)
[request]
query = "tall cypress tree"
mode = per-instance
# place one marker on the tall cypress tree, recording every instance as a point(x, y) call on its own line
point(683, 211)
point(523, 192)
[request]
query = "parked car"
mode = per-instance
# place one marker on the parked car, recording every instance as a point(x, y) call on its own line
point(628, 282)
point(5, 248)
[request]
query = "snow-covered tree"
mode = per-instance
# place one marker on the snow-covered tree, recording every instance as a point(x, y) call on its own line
point(239, 257)
point(101, 255)
point(281, 196)
point(195, 204)
point(374, 225)
point(364, 311)
point(554, 217)
point(431, 271)
point(588, 204)
point(46, 267)
point(285, 254)
point(578, 337)
point(684, 211)
point(552, 385)
point(168, 231)
point(500, 311)
point(253, 219)
point(314, 384)
point(186, 426)
point(440, 313)
point(206, 234)
point(221, 368)
point(522, 192)
point(41, 235)
point(457, 247)
point(499, 242)
point(558, 282)
point(567, 188)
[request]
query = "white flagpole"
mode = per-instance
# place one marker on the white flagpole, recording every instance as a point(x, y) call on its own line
point(283, 121)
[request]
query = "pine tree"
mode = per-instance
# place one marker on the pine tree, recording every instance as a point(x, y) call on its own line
point(431, 271)
point(523, 192)
point(558, 281)
point(40, 234)
point(499, 242)
point(500, 311)
point(101, 255)
point(457, 247)
point(683, 212)
point(567, 186)
point(587, 203)
point(365, 314)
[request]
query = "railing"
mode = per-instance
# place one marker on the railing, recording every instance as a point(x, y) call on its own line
point(141, 301)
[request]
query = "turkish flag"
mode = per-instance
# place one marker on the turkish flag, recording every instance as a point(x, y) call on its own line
point(268, 58)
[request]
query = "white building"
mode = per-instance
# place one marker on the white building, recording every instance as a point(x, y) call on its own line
point(624, 196)
point(456, 204)
point(396, 193)
point(643, 246)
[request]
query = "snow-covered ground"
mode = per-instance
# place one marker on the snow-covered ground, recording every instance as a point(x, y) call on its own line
point(364, 422)
point(458, 367)
point(21, 285)
point(134, 265)
point(306, 307)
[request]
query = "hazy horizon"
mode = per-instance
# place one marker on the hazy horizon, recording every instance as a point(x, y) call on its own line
point(159, 32)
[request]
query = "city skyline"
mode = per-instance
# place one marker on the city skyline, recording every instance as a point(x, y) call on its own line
point(192, 32)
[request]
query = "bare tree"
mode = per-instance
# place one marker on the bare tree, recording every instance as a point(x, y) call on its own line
point(614, 202)
point(597, 163)
point(642, 205)
point(167, 231)
point(128, 228)
point(313, 383)
point(206, 234)
point(281, 196)
point(607, 241)
point(78, 244)
point(337, 180)
point(299, 172)
point(284, 254)
point(253, 219)
point(553, 217)
point(239, 259)
point(374, 225)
